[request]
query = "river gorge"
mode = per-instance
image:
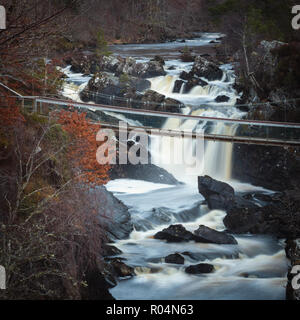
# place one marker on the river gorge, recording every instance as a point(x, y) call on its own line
point(255, 266)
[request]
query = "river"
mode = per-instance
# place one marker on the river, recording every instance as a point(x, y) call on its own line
point(256, 267)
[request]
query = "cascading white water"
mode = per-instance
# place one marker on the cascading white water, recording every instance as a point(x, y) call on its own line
point(218, 156)
point(254, 269)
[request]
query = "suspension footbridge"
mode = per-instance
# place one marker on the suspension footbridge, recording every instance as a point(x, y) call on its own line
point(270, 133)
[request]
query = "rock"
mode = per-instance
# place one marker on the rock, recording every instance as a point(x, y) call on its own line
point(159, 59)
point(200, 268)
point(177, 233)
point(97, 288)
point(280, 218)
point(172, 68)
point(186, 75)
point(222, 99)
point(174, 258)
point(174, 233)
point(121, 269)
point(110, 250)
point(153, 96)
point(193, 82)
point(140, 84)
point(273, 168)
point(211, 255)
point(177, 86)
point(214, 236)
point(172, 105)
point(149, 69)
point(186, 55)
point(293, 253)
point(219, 195)
point(146, 172)
point(118, 225)
point(206, 69)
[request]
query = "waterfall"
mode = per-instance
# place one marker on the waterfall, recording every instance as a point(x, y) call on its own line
point(201, 102)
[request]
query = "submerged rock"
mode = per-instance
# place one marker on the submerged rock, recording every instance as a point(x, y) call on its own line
point(214, 236)
point(222, 99)
point(175, 258)
point(200, 268)
point(219, 195)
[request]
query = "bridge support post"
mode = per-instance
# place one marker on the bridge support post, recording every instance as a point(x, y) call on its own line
point(34, 105)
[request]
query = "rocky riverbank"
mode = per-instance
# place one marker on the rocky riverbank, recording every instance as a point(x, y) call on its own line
point(271, 167)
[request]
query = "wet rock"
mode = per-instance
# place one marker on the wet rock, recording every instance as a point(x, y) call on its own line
point(200, 268)
point(172, 105)
point(280, 218)
point(273, 168)
point(186, 75)
point(172, 68)
point(193, 82)
point(177, 86)
point(174, 233)
point(174, 258)
point(219, 195)
point(159, 59)
point(214, 236)
point(177, 233)
point(154, 96)
point(118, 225)
point(110, 250)
point(149, 70)
point(121, 269)
point(147, 172)
point(206, 69)
point(200, 256)
point(222, 99)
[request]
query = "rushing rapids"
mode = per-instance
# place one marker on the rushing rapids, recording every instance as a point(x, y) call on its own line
point(255, 268)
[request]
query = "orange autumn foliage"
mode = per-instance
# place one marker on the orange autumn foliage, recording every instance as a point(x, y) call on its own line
point(83, 148)
point(10, 114)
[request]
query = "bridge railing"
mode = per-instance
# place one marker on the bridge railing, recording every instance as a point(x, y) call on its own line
point(230, 130)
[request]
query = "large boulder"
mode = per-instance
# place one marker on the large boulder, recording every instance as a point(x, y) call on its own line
point(117, 222)
point(280, 218)
point(206, 69)
point(142, 69)
point(214, 236)
point(219, 195)
point(200, 268)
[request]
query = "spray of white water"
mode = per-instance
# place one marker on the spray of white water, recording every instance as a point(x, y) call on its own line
point(218, 155)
